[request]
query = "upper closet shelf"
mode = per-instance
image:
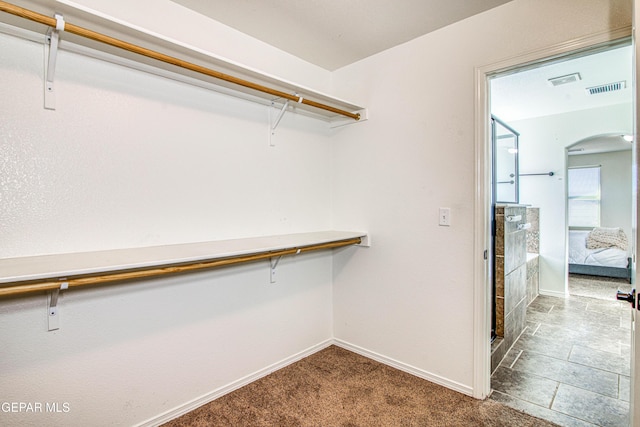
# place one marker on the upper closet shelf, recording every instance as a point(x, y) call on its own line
point(91, 33)
point(17, 274)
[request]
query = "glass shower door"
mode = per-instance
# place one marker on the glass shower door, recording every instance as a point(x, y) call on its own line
point(505, 163)
point(505, 185)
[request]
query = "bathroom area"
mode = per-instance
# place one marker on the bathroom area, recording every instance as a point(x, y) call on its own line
point(560, 342)
point(516, 246)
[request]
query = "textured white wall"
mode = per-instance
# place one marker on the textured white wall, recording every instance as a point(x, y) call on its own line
point(410, 296)
point(130, 352)
point(126, 160)
point(129, 159)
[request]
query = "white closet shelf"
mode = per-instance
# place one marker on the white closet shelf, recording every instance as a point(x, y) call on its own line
point(90, 19)
point(60, 266)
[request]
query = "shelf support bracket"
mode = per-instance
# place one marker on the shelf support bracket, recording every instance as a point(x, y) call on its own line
point(52, 311)
point(54, 40)
point(273, 264)
point(273, 126)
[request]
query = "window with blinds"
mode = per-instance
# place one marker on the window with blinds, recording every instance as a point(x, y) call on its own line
point(584, 196)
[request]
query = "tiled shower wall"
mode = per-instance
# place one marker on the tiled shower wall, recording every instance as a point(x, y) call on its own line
point(510, 277)
point(516, 273)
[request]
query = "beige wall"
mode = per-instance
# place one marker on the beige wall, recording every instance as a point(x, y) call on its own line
point(615, 186)
point(411, 296)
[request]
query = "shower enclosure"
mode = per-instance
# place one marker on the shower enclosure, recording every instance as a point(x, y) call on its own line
point(505, 185)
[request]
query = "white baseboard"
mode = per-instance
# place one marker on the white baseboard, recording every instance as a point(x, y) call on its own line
point(202, 400)
point(420, 373)
point(196, 403)
point(553, 293)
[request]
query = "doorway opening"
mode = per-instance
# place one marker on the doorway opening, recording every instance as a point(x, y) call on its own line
point(559, 348)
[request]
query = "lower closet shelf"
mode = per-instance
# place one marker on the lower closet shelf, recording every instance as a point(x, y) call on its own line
point(25, 275)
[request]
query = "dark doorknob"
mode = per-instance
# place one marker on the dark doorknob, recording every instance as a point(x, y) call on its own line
point(629, 297)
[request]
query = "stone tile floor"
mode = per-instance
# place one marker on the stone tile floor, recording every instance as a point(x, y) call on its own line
point(571, 364)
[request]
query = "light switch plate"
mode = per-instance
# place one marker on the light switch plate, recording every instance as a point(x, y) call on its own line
point(445, 217)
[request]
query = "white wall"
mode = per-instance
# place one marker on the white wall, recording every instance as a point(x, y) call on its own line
point(173, 21)
point(543, 143)
point(127, 160)
point(410, 296)
point(615, 186)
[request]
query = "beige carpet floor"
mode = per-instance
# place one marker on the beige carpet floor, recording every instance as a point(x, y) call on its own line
point(336, 387)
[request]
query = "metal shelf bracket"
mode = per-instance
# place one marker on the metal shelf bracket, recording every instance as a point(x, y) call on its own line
point(54, 40)
point(52, 312)
point(274, 125)
point(273, 264)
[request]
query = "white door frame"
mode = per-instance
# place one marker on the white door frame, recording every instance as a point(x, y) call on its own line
point(634, 398)
point(482, 208)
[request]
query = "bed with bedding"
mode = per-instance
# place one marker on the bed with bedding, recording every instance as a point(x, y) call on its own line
point(599, 252)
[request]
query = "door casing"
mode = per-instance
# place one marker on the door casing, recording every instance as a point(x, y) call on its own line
point(482, 210)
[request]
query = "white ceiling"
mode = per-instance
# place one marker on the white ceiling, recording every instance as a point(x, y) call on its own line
point(528, 93)
point(335, 33)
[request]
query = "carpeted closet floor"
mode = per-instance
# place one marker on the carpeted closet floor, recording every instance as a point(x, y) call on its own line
point(336, 387)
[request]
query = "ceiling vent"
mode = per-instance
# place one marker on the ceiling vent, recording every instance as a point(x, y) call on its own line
point(563, 80)
point(609, 87)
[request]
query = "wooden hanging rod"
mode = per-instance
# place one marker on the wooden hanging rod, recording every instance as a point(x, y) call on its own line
point(17, 288)
point(83, 32)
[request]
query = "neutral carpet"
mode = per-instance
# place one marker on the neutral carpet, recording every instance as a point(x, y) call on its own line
point(336, 387)
point(597, 287)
